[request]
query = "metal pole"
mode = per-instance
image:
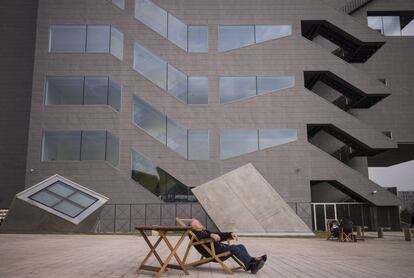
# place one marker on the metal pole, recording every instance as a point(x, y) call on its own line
point(114, 218)
point(130, 217)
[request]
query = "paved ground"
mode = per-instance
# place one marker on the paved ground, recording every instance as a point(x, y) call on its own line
point(118, 256)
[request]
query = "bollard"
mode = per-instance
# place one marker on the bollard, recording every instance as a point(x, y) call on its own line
point(358, 230)
point(407, 234)
point(380, 232)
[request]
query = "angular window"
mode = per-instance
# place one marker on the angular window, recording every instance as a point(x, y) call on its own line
point(61, 145)
point(119, 3)
point(267, 84)
point(93, 145)
point(235, 36)
point(197, 90)
point(177, 138)
point(98, 38)
point(271, 32)
point(150, 120)
point(170, 79)
point(177, 84)
point(236, 88)
point(112, 149)
point(96, 90)
point(177, 32)
point(168, 132)
point(86, 39)
point(375, 22)
point(117, 43)
point(273, 137)
point(88, 90)
point(391, 25)
point(67, 38)
point(152, 16)
point(114, 95)
point(64, 90)
point(198, 141)
point(157, 181)
point(408, 30)
point(197, 39)
point(150, 66)
point(235, 142)
point(80, 145)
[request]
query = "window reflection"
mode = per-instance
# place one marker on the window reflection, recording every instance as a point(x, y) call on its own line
point(117, 43)
point(67, 38)
point(176, 138)
point(398, 23)
point(197, 90)
point(236, 36)
point(157, 181)
point(96, 90)
point(98, 39)
point(93, 145)
point(177, 32)
point(177, 84)
point(64, 90)
point(198, 148)
point(237, 88)
point(152, 16)
point(119, 3)
point(235, 142)
point(198, 39)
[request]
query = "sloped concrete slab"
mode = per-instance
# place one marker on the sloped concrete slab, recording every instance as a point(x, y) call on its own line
point(243, 201)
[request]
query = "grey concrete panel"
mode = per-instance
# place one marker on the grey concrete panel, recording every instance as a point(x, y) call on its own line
point(244, 202)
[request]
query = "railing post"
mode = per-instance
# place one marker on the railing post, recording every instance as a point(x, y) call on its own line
point(114, 217)
point(380, 232)
point(160, 214)
point(130, 217)
point(407, 234)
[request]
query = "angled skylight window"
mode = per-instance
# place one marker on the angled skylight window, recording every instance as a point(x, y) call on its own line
point(233, 88)
point(187, 89)
point(236, 36)
point(188, 38)
point(63, 198)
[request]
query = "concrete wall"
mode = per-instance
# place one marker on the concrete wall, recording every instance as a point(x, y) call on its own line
point(18, 32)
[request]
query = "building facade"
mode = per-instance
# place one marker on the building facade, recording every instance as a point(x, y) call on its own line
point(141, 100)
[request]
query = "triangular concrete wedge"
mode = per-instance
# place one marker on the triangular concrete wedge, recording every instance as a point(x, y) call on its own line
point(244, 202)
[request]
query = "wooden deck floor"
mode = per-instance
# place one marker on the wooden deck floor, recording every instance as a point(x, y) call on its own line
point(119, 255)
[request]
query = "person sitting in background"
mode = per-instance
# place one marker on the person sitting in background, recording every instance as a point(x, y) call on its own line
point(334, 228)
point(254, 264)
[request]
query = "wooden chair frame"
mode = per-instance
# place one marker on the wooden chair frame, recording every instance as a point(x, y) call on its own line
point(208, 246)
point(328, 230)
point(346, 237)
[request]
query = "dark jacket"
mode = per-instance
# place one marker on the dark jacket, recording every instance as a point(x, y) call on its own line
point(218, 246)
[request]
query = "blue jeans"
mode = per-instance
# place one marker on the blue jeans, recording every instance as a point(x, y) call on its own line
point(241, 253)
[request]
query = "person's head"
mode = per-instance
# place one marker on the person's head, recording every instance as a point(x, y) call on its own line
point(196, 225)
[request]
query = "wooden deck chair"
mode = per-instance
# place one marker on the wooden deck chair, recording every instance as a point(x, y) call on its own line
point(207, 251)
point(346, 237)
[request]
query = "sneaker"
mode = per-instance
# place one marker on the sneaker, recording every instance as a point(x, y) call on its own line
point(264, 257)
point(256, 266)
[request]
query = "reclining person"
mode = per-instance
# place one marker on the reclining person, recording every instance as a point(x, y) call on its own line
point(238, 250)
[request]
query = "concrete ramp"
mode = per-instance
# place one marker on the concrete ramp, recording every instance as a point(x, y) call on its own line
point(244, 202)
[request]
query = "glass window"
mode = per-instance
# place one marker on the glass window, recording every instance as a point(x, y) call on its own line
point(119, 3)
point(152, 16)
point(67, 38)
point(235, 36)
point(68, 208)
point(64, 90)
point(270, 32)
point(82, 199)
point(157, 181)
point(198, 39)
point(177, 32)
point(391, 25)
point(149, 119)
point(45, 198)
point(98, 39)
point(96, 90)
point(197, 90)
point(177, 84)
point(150, 66)
point(176, 138)
point(61, 189)
point(273, 137)
point(408, 30)
point(117, 43)
point(235, 88)
point(93, 145)
point(375, 22)
point(198, 144)
point(112, 149)
point(267, 84)
point(114, 95)
point(61, 145)
point(234, 142)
